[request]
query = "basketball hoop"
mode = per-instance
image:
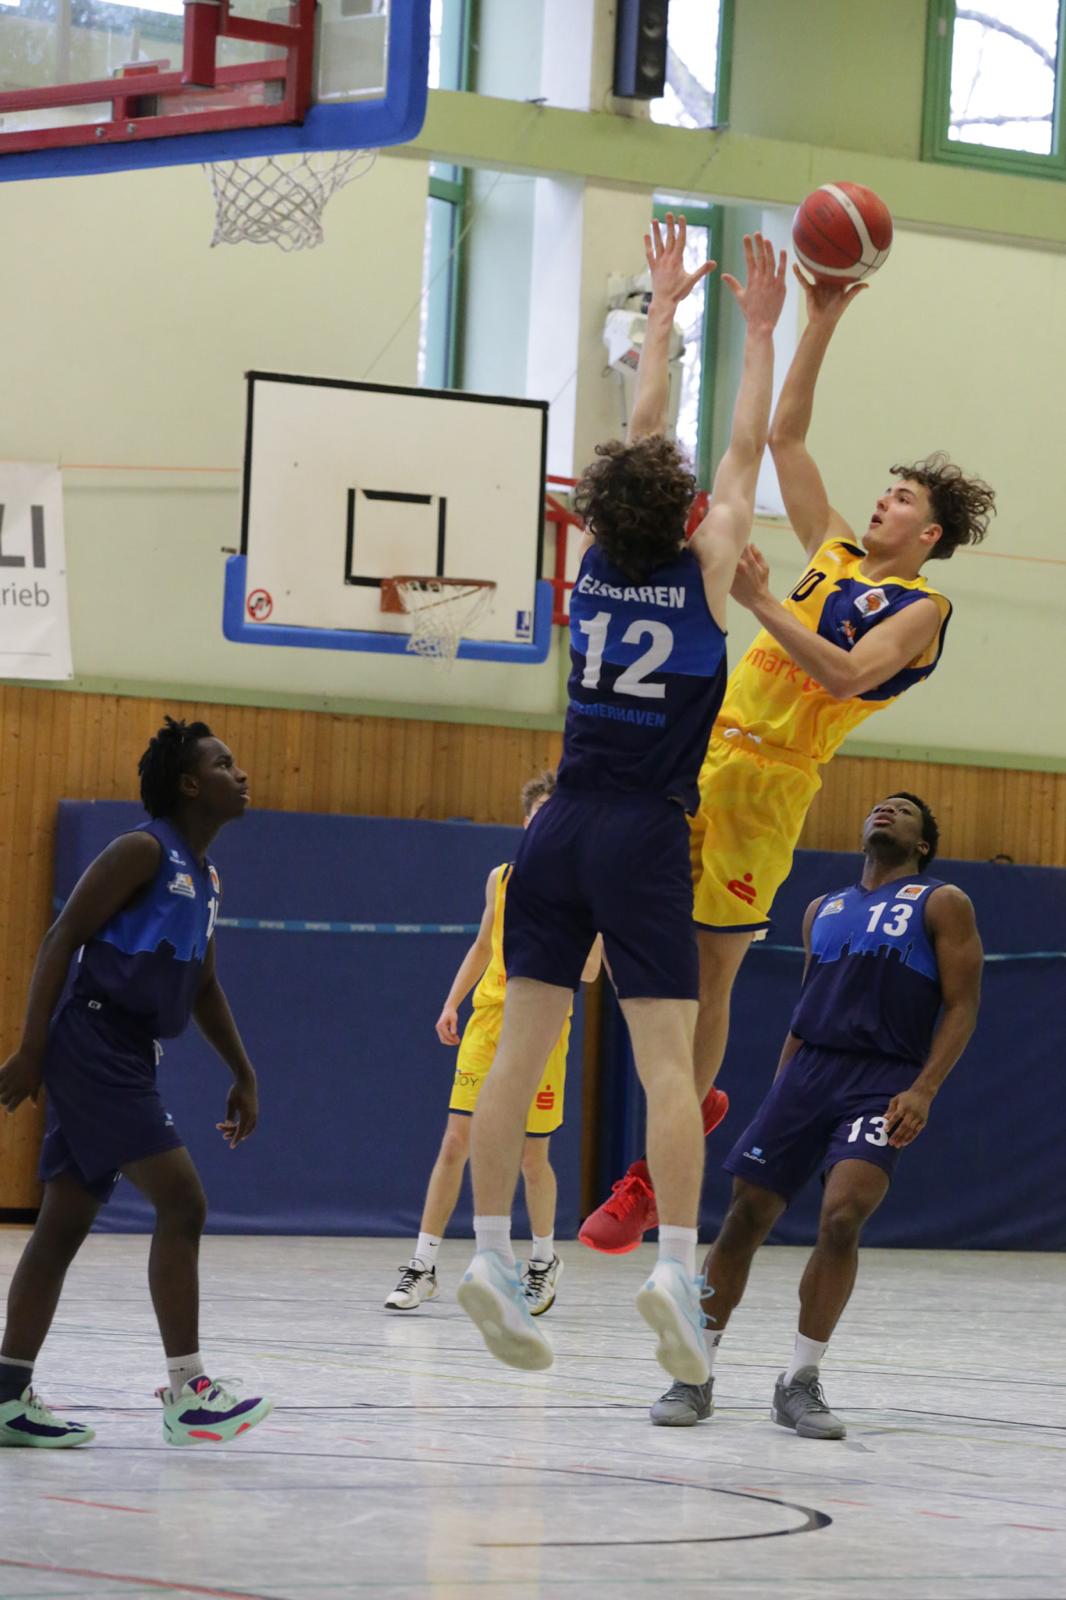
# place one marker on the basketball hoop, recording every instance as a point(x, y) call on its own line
point(280, 199)
point(442, 611)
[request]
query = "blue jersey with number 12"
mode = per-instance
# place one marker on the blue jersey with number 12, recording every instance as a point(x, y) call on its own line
point(647, 674)
point(872, 983)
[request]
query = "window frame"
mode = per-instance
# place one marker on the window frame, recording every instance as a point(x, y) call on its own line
point(936, 107)
point(703, 214)
point(455, 192)
point(722, 71)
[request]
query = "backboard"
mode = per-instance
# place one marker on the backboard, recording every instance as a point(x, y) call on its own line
point(104, 85)
point(346, 484)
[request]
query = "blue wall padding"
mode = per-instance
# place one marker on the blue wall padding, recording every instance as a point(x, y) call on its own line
point(987, 1172)
point(354, 1083)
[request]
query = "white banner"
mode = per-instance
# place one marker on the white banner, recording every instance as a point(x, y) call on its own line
point(34, 619)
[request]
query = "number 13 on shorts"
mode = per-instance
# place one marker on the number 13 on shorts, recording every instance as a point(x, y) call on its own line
point(877, 1135)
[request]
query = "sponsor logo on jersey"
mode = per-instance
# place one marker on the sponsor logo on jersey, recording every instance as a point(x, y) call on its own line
point(546, 1099)
point(755, 1154)
point(911, 891)
point(181, 883)
point(832, 905)
point(868, 604)
point(849, 630)
point(212, 873)
point(744, 889)
point(177, 858)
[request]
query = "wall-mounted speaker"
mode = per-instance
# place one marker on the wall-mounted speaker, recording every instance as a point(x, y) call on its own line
point(640, 49)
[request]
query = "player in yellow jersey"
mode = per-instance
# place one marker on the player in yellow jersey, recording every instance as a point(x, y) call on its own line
point(860, 628)
point(477, 1048)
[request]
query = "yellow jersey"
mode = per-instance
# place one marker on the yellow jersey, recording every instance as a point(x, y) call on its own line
point(490, 990)
point(771, 698)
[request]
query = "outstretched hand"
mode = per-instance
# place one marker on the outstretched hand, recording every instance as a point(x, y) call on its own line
point(827, 300)
point(761, 298)
point(670, 278)
point(751, 580)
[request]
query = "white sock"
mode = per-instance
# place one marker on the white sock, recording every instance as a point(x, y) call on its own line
point(543, 1248)
point(678, 1244)
point(711, 1340)
point(494, 1233)
point(182, 1370)
point(805, 1353)
point(426, 1249)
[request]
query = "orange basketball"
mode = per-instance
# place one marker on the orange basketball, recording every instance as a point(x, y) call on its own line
point(842, 232)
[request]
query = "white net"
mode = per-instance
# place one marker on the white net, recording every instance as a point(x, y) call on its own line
point(280, 199)
point(442, 614)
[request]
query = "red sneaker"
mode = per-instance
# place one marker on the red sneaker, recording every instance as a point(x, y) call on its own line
point(620, 1223)
point(714, 1107)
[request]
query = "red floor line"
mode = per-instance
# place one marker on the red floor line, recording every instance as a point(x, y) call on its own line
point(99, 1505)
point(127, 1577)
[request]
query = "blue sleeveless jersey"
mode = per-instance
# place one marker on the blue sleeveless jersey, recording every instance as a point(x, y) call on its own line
point(647, 674)
point(148, 959)
point(872, 982)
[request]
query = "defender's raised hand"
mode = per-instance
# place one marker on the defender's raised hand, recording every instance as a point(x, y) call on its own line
point(670, 278)
point(761, 298)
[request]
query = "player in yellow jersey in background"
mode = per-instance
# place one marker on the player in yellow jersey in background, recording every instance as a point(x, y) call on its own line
point(860, 628)
point(477, 1049)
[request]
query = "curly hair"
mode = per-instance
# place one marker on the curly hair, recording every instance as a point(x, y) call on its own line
point(536, 789)
point(962, 506)
point(170, 753)
point(930, 829)
point(634, 500)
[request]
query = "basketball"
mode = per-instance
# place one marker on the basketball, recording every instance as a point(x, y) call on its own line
point(842, 232)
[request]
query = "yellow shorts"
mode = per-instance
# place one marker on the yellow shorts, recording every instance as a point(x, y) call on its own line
point(752, 810)
point(477, 1051)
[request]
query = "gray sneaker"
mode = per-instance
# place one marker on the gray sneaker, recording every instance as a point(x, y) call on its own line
point(801, 1405)
point(684, 1404)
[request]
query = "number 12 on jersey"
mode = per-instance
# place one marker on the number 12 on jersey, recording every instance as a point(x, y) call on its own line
point(633, 680)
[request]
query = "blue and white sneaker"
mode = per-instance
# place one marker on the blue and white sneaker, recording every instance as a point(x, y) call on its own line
point(206, 1413)
point(28, 1421)
point(493, 1296)
point(670, 1304)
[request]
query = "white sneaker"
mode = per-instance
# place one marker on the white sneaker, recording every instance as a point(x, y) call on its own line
point(417, 1283)
point(670, 1304)
point(538, 1282)
point(492, 1296)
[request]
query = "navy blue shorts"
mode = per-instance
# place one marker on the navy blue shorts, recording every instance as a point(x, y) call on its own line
point(103, 1107)
point(827, 1106)
point(619, 867)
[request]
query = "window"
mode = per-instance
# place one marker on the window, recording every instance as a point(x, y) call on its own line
point(697, 65)
point(994, 76)
point(698, 319)
point(442, 256)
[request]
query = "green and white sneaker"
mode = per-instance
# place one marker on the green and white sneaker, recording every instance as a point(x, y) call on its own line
point(28, 1421)
point(801, 1405)
point(206, 1413)
point(539, 1279)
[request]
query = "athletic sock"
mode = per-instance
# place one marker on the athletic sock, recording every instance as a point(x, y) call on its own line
point(678, 1244)
point(805, 1353)
point(543, 1248)
point(494, 1233)
point(14, 1378)
point(711, 1340)
point(426, 1250)
point(182, 1370)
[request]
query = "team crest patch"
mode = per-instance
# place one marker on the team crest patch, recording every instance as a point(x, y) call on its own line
point(177, 858)
point(870, 603)
point(181, 883)
point(832, 905)
point(212, 873)
point(912, 891)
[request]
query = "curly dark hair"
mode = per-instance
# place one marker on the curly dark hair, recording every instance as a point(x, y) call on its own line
point(542, 787)
point(930, 829)
point(634, 500)
point(170, 753)
point(961, 505)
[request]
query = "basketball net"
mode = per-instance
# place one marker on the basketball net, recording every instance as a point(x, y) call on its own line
point(280, 199)
point(441, 613)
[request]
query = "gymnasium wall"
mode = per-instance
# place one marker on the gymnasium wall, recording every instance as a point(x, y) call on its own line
point(131, 338)
point(56, 745)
